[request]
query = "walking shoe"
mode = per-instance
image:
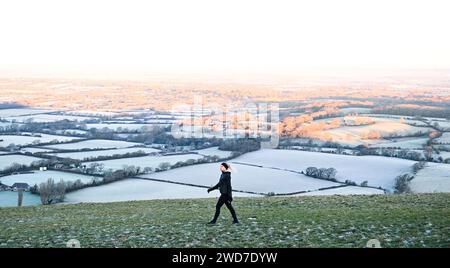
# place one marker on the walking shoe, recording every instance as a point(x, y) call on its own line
point(211, 222)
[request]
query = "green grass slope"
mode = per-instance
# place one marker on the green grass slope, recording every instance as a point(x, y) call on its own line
point(333, 221)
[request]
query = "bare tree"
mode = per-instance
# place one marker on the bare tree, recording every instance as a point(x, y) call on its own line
point(51, 192)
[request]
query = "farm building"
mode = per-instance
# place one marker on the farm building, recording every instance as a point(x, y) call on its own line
point(20, 185)
point(4, 187)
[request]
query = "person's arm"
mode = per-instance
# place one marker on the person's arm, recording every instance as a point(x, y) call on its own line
point(216, 186)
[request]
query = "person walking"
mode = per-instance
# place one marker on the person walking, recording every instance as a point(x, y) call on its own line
point(224, 186)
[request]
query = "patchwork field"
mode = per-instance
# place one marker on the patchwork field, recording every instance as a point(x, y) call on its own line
point(145, 161)
point(94, 144)
point(354, 110)
point(214, 151)
point(433, 178)
point(21, 112)
point(8, 160)
point(441, 124)
point(444, 139)
point(41, 118)
point(6, 140)
point(38, 177)
point(381, 127)
point(245, 178)
point(93, 154)
point(353, 135)
point(377, 170)
point(443, 154)
point(4, 125)
point(136, 189)
point(347, 190)
point(403, 143)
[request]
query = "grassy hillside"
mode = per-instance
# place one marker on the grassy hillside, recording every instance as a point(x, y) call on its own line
point(332, 221)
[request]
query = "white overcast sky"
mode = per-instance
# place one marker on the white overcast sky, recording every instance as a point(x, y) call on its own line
point(239, 36)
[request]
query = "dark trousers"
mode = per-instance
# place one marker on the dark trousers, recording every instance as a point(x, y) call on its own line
point(224, 199)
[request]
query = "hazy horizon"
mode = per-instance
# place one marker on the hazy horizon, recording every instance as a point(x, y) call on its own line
point(116, 39)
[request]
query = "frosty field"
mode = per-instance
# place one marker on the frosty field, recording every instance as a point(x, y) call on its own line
point(9, 199)
point(38, 177)
point(407, 221)
point(245, 178)
point(21, 112)
point(94, 144)
point(433, 178)
point(6, 140)
point(8, 160)
point(347, 190)
point(403, 143)
point(354, 135)
point(377, 170)
point(442, 125)
point(93, 154)
point(444, 139)
point(214, 151)
point(41, 118)
point(136, 189)
point(443, 154)
point(355, 110)
point(145, 161)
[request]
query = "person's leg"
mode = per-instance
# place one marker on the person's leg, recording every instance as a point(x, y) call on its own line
point(219, 205)
point(232, 211)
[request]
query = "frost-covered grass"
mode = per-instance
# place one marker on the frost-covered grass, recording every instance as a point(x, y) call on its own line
point(352, 135)
point(136, 189)
point(91, 154)
point(444, 139)
point(94, 144)
point(41, 118)
point(347, 190)
point(38, 177)
point(214, 151)
point(6, 140)
point(433, 178)
point(355, 110)
point(443, 125)
point(245, 178)
point(403, 143)
point(8, 160)
point(377, 170)
point(443, 154)
point(22, 112)
point(386, 127)
point(318, 221)
point(6, 125)
point(9, 199)
point(145, 161)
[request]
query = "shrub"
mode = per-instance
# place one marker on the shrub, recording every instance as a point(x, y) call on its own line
point(402, 183)
point(52, 192)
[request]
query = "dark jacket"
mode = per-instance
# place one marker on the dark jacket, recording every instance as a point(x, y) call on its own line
point(224, 184)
